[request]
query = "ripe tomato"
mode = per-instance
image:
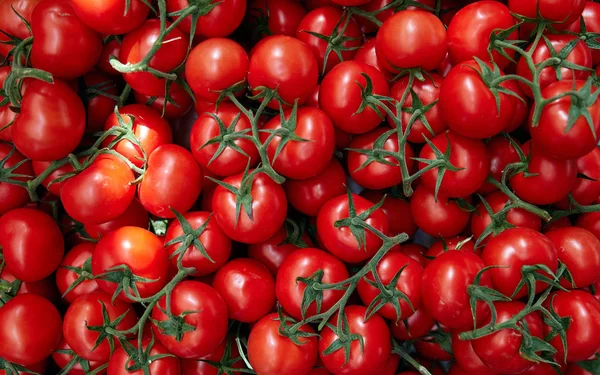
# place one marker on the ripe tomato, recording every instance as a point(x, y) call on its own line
point(215, 65)
point(341, 96)
point(443, 245)
point(304, 263)
point(136, 46)
point(216, 19)
point(63, 359)
point(88, 311)
point(585, 191)
point(328, 21)
point(466, 357)
point(79, 257)
point(98, 107)
point(13, 196)
point(369, 355)
point(397, 211)
point(29, 329)
point(111, 16)
point(51, 121)
point(111, 47)
point(591, 17)
point(223, 355)
point(368, 55)
point(62, 44)
point(138, 249)
point(415, 326)
point(202, 308)
point(339, 240)
point(268, 209)
point(444, 289)
point(173, 181)
point(591, 222)
point(179, 103)
point(274, 17)
point(442, 217)
point(409, 283)
point(273, 251)
point(567, 11)
point(7, 116)
point(165, 365)
point(149, 129)
point(411, 39)
point(501, 153)
point(11, 23)
point(100, 193)
point(134, 216)
point(269, 352)
point(32, 243)
point(431, 349)
point(53, 187)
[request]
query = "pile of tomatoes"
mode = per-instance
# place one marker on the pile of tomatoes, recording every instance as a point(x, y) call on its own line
point(348, 187)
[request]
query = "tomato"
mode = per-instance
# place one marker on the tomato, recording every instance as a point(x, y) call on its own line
point(470, 30)
point(273, 251)
point(415, 251)
point(466, 357)
point(136, 46)
point(88, 311)
point(586, 191)
point(32, 243)
point(111, 47)
point(62, 359)
point(173, 181)
point(111, 16)
point(223, 355)
point(516, 216)
point(149, 129)
point(29, 329)
point(268, 209)
point(444, 289)
point(81, 282)
point(309, 195)
point(269, 352)
point(100, 193)
point(397, 211)
point(13, 196)
point(444, 217)
point(202, 308)
point(215, 65)
point(165, 365)
point(12, 24)
point(370, 357)
point(134, 216)
point(285, 64)
point(300, 159)
point(216, 18)
point(51, 121)
point(543, 368)
point(138, 249)
point(468, 105)
point(366, 54)
point(443, 245)
point(591, 222)
point(579, 250)
point(62, 45)
point(340, 240)
point(328, 21)
point(584, 312)
point(411, 39)
point(274, 17)
point(98, 106)
point(417, 325)
point(409, 283)
point(431, 349)
point(591, 17)
point(178, 104)
point(501, 153)
point(11, 286)
point(341, 96)
point(375, 174)
point(383, 12)
point(7, 116)
point(563, 13)
point(304, 263)
point(549, 180)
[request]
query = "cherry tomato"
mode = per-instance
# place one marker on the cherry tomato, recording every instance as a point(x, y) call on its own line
point(216, 18)
point(591, 222)
point(62, 359)
point(11, 23)
point(273, 251)
point(134, 216)
point(466, 357)
point(585, 191)
point(111, 16)
point(13, 196)
point(563, 13)
point(165, 365)
point(177, 105)
point(415, 326)
point(591, 17)
point(80, 282)
point(397, 211)
point(501, 153)
point(223, 355)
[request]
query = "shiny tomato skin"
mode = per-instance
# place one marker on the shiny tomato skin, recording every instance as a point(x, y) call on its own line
point(151, 131)
point(368, 55)
point(179, 105)
point(513, 249)
point(12, 24)
point(14, 196)
point(111, 47)
point(32, 243)
point(443, 218)
point(167, 365)
point(371, 358)
point(111, 16)
point(563, 13)
point(339, 240)
point(101, 192)
point(134, 216)
point(63, 45)
point(444, 289)
point(76, 257)
point(209, 317)
point(87, 311)
point(138, 249)
point(501, 153)
point(443, 245)
point(466, 357)
point(273, 251)
point(220, 21)
point(590, 221)
point(340, 96)
point(271, 353)
point(44, 288)
point(585, 191)
point(415, 326)
point(281, 17)
point(591, 17)
point(397, 211)
point(304, 263)
point(51, 122)
point(173, 181)
point(269, 209)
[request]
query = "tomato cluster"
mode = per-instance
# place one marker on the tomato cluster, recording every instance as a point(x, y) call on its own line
point(300, 187)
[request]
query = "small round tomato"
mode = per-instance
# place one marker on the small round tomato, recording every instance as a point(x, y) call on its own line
point(415, 326)
point(201, 307)
point(111, 47)
point(30, 328)
point(501, 153)
point(134, 216)
point(274, 17)
point(214, 18)
point(442, 217)
point(80, 282)
point(466, 357)
point(98, 106)
point(591, 222)
point(443, 245)
point(397, 211)
point(111, 16)
point(7, 116)
point(304, 263)
point(178, 104)
point(167, 364)
point(12, 286)
point(585, 191)
point(273, 251)
point(13, 13)
point(89, 311)
point(591, 17)
point(563, 13)
point(14, 196)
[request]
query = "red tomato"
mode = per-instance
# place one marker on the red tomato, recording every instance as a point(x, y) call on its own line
point(444, 289)
point(563, 13)
point(7, 116)
point(81, 282)
point(273, 251)
point(134, 216)
point(55, 188)
point(466, 357)
point(274, 17)
point(179, 103)
point(32, 243)
point(341, 96)
point(202, 308)
point(111, 16)
point(224, 355)
point(98, 106)
point(166, 365)
point(13, 196)
point(397, 211)
point(88, 311)
point(382, 11)
point(11, 23)
point(441, 217)
point(585, 191)
point(416, 252)
point(339, 240)
point(269, 352)
point(216, 18)
point(591, 222)
point(415, 326)
point(368, 55)
point(267, 208)
point(29, 329)
point(304, 263)
point(370, 357)
point(443, 245)
point(111, 47)
point(411, 39)
point(51, 121)
point(501, 153)
point(62, 44)
point(574, 369)
point(138, 249)
point(591, 17)
point(63, 359)
point(430, 348)
point(13, 286)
